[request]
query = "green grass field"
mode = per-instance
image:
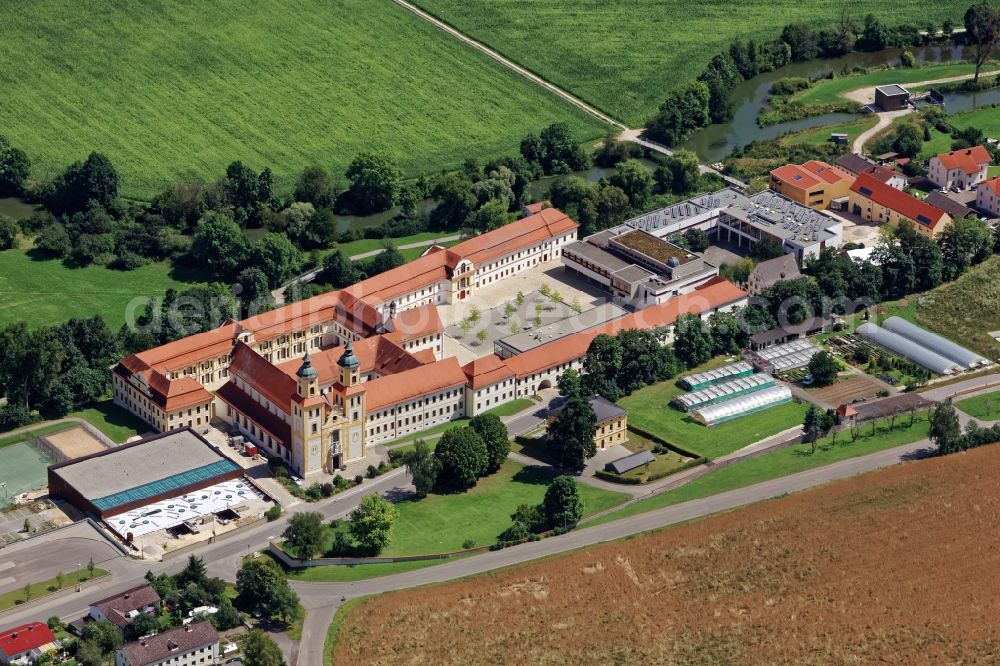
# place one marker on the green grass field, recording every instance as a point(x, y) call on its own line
point(986, 119)
point(442, 523)
point(623, 56)
point(649, 410)
point(985, 406)
point(41, 293)
point(41, 588)
point(112, 420)
point(830, 90)
point(781, 463)
point(820, 136)
point(171, 90)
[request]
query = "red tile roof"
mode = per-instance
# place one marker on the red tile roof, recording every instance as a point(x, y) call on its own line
point(416, 322)
point(193, 349)
point(795, 175)
point(993, 184)
point(394, 389)
point(537, 207)
point(486, 371)
point(379, 354)
point(713, 294)
point(421, 272)
point(25, 637)
point(268, 379)
point(826, 172)
point(525, 232)
point(906, 205)
point(168, 394)
point(970, 160)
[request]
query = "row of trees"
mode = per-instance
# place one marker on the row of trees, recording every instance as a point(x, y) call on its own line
point(946, 430)
point(695, 105)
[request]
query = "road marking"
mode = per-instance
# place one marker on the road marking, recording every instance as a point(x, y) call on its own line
point(9, 564)
point(7, 580)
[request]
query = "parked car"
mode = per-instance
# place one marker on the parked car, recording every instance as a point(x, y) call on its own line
point(296, 480)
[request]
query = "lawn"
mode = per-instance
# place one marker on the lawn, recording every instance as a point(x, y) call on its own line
point(986, 118)
point(649, 410)
point(364, 245)
point(985, 406)
point(39, 589)
point(831, 90)
point(820, 136)
point(623, 56)
point(346, 573)
point(35, 432)
point(512, 407)
point(427, 434)
point(112, 420)
point(782, 462)
point(46, 292)
point(173, 91)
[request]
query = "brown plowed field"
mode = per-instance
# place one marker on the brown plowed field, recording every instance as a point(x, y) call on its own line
point(899, 566)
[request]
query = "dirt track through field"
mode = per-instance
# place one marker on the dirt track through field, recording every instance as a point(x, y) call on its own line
point(894, 566)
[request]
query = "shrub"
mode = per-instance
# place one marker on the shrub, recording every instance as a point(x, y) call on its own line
point(327, 489)
point(314, 493)
point(273, 513)
point(358, 480)
point(372, 471)
point(340, 482)
point(468, 543)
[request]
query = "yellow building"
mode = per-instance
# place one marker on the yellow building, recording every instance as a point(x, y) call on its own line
point(814, 183)
point(612, 420)
point(877, 202)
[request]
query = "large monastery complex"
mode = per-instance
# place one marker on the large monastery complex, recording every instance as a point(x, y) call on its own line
point(316, 382)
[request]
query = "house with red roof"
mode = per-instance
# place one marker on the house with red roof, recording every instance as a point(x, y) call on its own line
point(959, 169)
point(988, 196)
point(877, 202)
point(26, 643)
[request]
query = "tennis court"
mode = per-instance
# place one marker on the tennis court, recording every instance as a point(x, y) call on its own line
point(22, 468)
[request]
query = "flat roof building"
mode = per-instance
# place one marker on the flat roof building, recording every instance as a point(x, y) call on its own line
point(892, 97)
point(132, 475)
point(519, 343)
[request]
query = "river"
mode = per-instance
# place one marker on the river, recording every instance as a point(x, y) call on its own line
point(717, 141)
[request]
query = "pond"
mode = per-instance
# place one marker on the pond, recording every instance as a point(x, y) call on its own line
point(717, 141)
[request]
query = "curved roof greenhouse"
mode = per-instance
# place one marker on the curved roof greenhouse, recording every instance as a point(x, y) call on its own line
point(721, 412)
point(934, 342)
point(907, 348)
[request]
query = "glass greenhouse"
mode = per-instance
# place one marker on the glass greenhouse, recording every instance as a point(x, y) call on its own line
point(907, 348)
point(721, 374)
point(791, 355)
point(724, 391)
point(744, 405)
point(934, 342)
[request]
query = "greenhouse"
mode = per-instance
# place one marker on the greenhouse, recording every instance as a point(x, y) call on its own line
point(789, 356)
point(716, 375)
point(909, 349)
point(724, 391)
point(744, 405)
point(934, 342)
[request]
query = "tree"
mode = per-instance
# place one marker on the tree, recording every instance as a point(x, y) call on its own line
point(907, 141)
point(945, 430)
point(456, 201)
point(371, 523)
point(88, 653)
point(94, 179)
point(875, 36)
point(8, 232)
point(193, 572)
point(386, 260)
point(811, 426)
point(766, 248)
point(635, 180)
point(255, 293)
point(612, 207)
point(964, 242)
point(90, 567)
point(375, 182)
point(339, 270)
point(257, 579)
point(423, 466)
point(61, 578)
point(684, 110)
point(106, 636)
point(562, 504)
point(276, 257)
point(219, 243)
point(14, 168)
point(492, 215)
point(141, 625)
point(314, 186)
point(692, 340)
point(802, 40)
point(260, 650)
point(697, 240)
point(571, 433)
point(569, 383)
point(823, 368)
point(282, 605)
point(982, 30)
point(54, 241)
point(727, 336)
point(304, 534)
point(463, 456)
point(496, 438)
point(227, 617)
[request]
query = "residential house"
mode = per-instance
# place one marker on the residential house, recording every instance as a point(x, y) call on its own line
point(766, 273)
point(121, 608)
point(959, 169)
point(195, 644)
point(26, 643)
point(988, 197)
point(612, 420)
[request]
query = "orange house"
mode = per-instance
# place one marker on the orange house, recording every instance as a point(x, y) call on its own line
point(814, 184)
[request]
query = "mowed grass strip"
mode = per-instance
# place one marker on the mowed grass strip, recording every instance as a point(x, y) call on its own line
point(176, 90)
point(42, 588)
point(985, 406)
point(41, 293)
point(782, 462)
point(832, 90)
point(623, 56)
